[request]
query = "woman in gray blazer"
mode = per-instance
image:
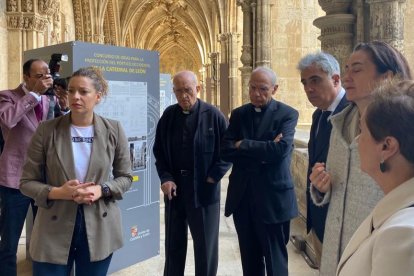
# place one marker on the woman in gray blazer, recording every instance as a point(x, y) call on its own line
point(384, 243)
point(68, 173)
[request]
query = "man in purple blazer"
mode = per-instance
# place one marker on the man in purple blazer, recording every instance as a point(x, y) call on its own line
point(21, 111)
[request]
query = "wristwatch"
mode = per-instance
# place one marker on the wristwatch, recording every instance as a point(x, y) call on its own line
point(106, 191)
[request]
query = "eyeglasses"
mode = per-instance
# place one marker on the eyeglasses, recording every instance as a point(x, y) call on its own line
point(261, 89)
point(183, 91)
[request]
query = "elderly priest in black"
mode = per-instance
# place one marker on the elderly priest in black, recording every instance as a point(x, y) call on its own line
point(259, 143)
point(187, 153)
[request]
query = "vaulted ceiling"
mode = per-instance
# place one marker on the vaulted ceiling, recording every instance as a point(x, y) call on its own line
point(183, 29)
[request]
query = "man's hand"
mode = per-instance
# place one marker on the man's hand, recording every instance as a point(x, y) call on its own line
point(62, 96)
point(88, 194)
point(278, 138)
point(320, 178)
point(43, 84)
point(210, 180)
point(237, 144)
point(169, 189)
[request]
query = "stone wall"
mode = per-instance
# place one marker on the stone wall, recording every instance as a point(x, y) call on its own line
point(408, 33)
point(4, 70)
point(293, 35)
point(299, 167)
point(24, 27)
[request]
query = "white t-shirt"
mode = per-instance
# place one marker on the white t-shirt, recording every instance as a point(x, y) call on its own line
point(82, 139)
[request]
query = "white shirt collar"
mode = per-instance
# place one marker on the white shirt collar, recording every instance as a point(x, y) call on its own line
point(337, 100)
point(25, 88)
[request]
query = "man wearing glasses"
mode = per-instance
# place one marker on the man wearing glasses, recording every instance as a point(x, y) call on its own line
point(187, 153)
point(259, 143)
point(21, 111)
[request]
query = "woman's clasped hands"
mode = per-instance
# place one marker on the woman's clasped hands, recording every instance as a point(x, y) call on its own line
point(81, 193)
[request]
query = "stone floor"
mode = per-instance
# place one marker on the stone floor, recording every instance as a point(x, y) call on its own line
point(229, 258)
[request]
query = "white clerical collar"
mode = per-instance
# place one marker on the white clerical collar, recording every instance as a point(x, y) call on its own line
point(257, 109)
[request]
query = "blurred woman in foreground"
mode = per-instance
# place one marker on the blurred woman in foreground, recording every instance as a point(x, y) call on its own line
point(384, 243)
point(68, 174)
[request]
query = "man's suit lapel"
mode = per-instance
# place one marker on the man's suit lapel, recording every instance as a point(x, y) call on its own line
point(63, 145)
point(99, 145)
point(267, 117)
point(320, 148)
point(311, 147)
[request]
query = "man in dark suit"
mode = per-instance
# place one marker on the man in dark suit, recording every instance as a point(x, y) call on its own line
point(320, 76)
point(21, 111)
point(187, 153)
point(259, 143)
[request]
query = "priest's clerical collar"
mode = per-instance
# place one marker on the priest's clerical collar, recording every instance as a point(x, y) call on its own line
point(191, 110)
point(261, 108)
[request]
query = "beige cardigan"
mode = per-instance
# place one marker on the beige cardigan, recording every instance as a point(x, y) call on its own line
point(353, 194)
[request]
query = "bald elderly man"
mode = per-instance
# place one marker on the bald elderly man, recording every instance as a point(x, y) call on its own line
point(186, 149)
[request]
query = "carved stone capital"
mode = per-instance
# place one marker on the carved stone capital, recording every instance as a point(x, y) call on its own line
point(28, 22)
point(334, 25)
point(213, 56)
point(335, 6)
point(27, 5)
point(245, 5)
point(98, 38)
point(49, 7)
point(337, 32)
point(222, 37)
point(246, 57)
point(12, 6)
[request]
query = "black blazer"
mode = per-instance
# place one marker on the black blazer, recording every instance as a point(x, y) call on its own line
point(318, 152)
point(211, 126)
point(260, 163)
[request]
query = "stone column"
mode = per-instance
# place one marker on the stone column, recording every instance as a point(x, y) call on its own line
point(234, 91)
point(387, 21)
point(337, 29)
point(214, 57)
point(263, 21)
point(206, 95)
point(247, 56)
point(223, 40)
point(202, 82)
point(223, 79)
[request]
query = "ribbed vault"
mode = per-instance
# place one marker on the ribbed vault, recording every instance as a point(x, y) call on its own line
point(183, 31)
